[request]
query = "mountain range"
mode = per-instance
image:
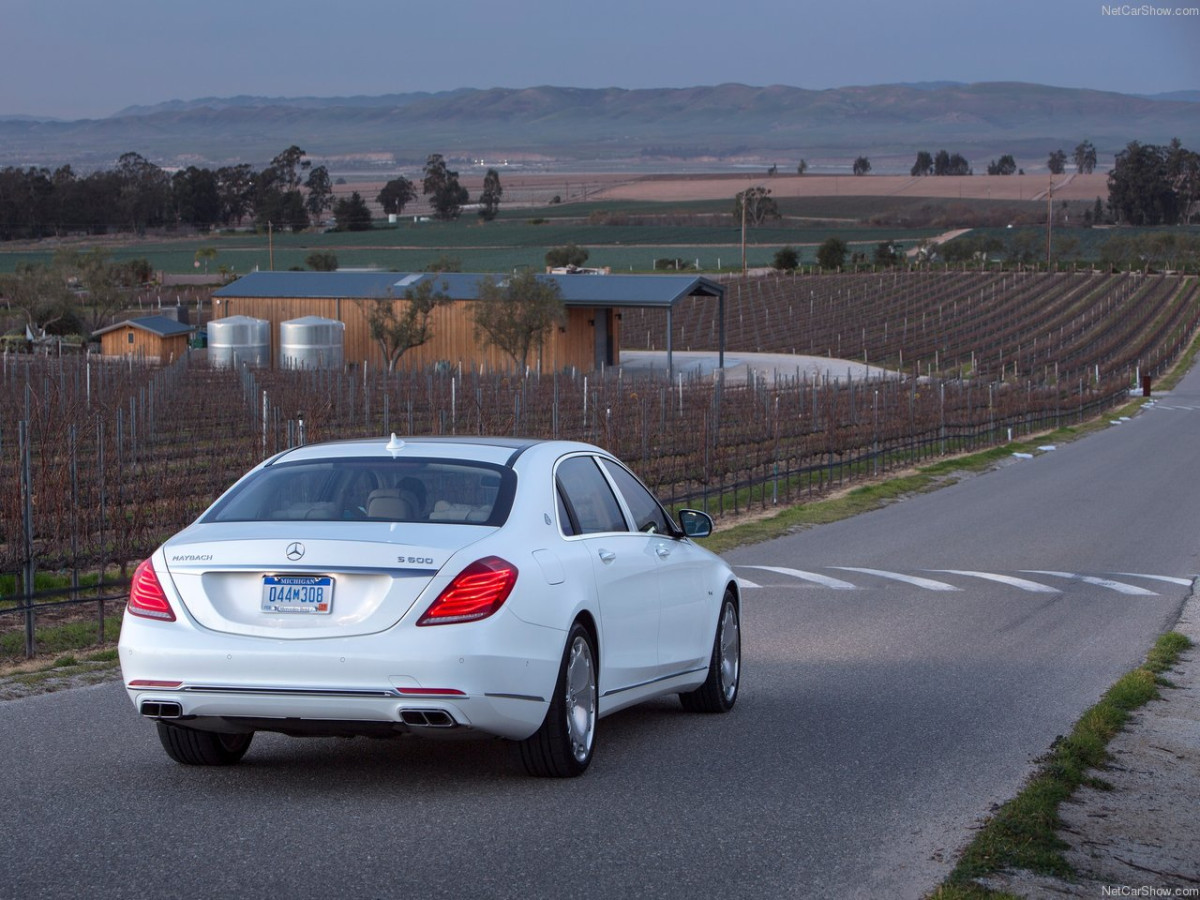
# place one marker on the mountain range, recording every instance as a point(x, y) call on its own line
point(698, 128)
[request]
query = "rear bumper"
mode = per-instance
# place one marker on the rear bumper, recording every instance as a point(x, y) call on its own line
point(493, 677)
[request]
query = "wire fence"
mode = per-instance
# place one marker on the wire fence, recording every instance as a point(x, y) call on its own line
point(101, 461)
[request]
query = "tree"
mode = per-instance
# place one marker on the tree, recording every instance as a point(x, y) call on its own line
point(832, 253)
point(861, 166)
point(320, 192)
point(206, 255)
point(396, 194)
point(946, 164)
point(489, 199)
point(196, 197)
point(923, 164)
point(1006, 165)
point(566, 256)
point(758, 206)
point(786, 259)
point(1057, 163)
point(398, 331)
point(39, 292)
point(352, 213)
point(888, 253)
point(441, 186)
point(1085, 158)
point(322, 261)
point(517, 313)
point(1140, 191)
point(235, 189)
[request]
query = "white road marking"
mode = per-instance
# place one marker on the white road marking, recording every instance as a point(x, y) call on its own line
point(1023, 584)
point(1167, 578)
point(927, 583)
point(746, 583)
point(824, 580)
point(1119, 586)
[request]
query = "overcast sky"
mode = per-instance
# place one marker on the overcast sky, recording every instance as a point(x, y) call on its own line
point(89, 59)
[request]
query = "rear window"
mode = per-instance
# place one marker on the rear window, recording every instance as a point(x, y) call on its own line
point(453, 492)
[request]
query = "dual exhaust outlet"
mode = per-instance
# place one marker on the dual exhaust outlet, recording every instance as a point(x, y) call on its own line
point(414, 718)
point(161, 709)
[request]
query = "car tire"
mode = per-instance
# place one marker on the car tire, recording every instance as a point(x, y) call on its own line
point(562, 746)
point(720, 689)
point(202, 748)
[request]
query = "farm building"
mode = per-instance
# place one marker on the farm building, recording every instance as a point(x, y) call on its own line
point(589, 340)
point(152, 338)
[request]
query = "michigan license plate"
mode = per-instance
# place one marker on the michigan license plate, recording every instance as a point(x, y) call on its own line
point(306, 594)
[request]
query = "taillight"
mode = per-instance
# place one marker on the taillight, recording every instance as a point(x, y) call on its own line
point(475, 593)
point(146, 596)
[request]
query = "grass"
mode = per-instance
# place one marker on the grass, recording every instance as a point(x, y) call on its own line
point(57, 639)
point(1023, 833)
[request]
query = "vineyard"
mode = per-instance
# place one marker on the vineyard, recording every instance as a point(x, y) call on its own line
point(102, 460)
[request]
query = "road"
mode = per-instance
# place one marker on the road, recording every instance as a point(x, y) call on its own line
point(881, 719)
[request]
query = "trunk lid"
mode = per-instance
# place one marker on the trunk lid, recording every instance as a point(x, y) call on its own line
point(315, 580)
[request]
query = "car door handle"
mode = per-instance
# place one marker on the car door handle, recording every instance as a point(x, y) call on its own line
point(663, 551)
point(606, 556)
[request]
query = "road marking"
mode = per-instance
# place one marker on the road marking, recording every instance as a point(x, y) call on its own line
point(1023, 584)
point(1119, 586)
point(746, 583)
point(824, 580)
point(927, 583)
point(1186, 582)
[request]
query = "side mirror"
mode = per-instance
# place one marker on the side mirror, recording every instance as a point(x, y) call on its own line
point(695, 524)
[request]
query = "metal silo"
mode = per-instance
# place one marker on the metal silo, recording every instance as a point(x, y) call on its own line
point(311, 343)
point(239, 340)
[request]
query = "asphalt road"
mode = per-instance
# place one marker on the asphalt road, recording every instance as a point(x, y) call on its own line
point(880, 720)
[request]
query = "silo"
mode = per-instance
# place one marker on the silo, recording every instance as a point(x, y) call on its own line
point(239, 340)
point(311, 343)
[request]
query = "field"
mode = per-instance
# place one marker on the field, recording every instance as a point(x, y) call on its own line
point(627, 222)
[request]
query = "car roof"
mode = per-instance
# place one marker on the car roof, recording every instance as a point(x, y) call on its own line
point(496, 450)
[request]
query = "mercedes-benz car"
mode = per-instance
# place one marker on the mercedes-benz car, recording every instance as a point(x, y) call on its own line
point(429, 586)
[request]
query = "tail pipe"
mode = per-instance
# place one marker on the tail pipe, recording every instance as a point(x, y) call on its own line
point(161, 709)
point(427, 718)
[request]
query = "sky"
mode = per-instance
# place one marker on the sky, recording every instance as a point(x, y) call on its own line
point(89, 59)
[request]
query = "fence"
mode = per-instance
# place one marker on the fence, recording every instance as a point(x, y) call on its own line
point(111, 458)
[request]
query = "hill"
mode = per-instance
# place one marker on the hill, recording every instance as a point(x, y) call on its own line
point(698, 128)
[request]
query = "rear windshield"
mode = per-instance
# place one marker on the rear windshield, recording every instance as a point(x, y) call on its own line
point(453, 492)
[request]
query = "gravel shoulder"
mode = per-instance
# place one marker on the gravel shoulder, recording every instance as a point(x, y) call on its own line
point(1140, 838)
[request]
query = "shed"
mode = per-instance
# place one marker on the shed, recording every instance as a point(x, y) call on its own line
point(152, 338)
point(590, 339)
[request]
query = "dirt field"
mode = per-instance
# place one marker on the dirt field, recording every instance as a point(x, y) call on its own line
point(537, 189)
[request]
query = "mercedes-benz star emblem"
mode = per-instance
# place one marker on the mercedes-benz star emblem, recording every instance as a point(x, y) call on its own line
point(295, 551)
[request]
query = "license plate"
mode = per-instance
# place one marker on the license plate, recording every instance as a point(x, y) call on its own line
point(305, 594)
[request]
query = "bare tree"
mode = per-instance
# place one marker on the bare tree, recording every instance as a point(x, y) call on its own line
point(398, 330)
point(517, 313)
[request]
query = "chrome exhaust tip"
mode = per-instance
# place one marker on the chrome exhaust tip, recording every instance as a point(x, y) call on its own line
point(161, 709)
point(427, 718)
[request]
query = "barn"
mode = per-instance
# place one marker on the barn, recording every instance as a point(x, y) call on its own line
point(149, 338)
point(590, 339)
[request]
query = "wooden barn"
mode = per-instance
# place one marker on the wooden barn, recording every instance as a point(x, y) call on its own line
point(588, 341)
point(150, 338)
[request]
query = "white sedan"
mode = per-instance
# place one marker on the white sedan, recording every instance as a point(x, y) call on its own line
point(430, 586)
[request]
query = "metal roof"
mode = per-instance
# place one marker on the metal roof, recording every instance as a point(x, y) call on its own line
point(577, 290)
point(160, 325)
